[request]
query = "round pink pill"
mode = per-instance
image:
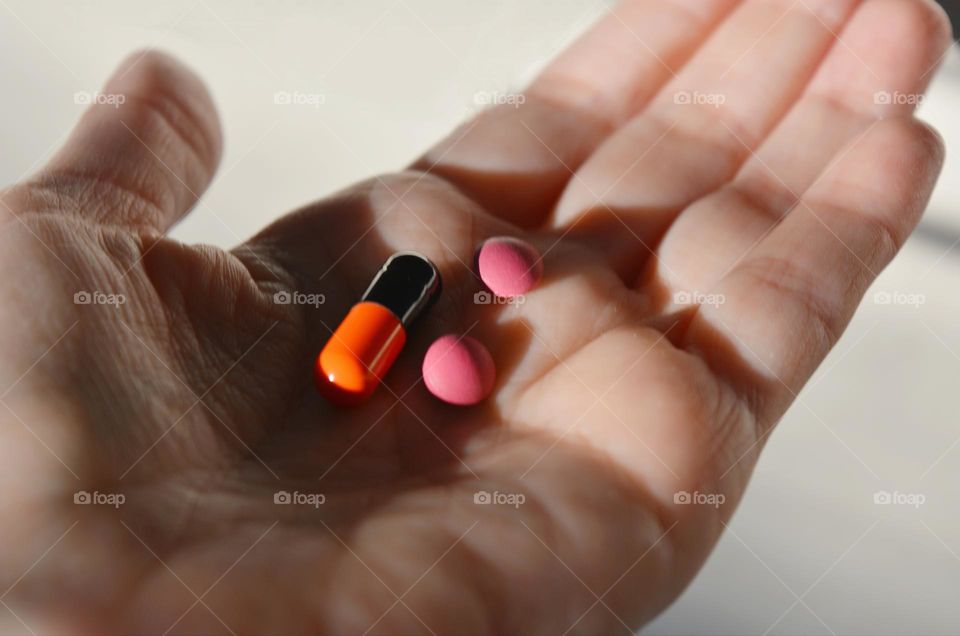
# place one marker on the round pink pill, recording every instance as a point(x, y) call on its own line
point(508, 266)
point(459, 370)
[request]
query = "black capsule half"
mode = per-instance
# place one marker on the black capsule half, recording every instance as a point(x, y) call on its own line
point(407, 284)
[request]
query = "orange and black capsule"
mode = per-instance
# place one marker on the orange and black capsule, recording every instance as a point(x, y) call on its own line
point(365, 345)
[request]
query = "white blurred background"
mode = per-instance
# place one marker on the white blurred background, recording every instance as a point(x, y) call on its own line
point(809, 551)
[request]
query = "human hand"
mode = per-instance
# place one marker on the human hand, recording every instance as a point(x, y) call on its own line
point(733, 154)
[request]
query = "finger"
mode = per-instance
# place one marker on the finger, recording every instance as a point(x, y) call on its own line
point(698, 131)
point(840, 104)
point(786, 304)
point(516, 160)
point(143, 152)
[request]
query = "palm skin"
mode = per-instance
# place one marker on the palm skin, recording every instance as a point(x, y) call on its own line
point(194, 398)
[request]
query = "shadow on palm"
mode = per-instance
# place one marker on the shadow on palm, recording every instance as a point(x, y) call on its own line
point(404, 465)
point(194, 398)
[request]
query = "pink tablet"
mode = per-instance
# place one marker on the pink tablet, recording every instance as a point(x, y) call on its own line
point(509, 266)
point(459, 370)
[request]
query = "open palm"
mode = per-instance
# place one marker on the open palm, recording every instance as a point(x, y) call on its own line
point(713, 185)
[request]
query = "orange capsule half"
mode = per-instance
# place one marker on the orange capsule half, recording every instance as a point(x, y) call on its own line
point(365, 345)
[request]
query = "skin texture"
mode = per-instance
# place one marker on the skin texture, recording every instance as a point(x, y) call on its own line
point(193, 399)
